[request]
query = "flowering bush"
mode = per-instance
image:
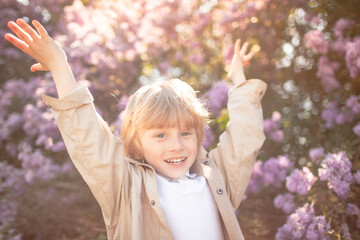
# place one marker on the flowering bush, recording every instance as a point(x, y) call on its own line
point(309, 57)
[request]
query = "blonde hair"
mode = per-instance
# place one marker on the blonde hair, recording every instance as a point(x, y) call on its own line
point(160, 105)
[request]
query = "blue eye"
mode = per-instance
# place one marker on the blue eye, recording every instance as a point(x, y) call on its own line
point(185, 134)
point(161, 135)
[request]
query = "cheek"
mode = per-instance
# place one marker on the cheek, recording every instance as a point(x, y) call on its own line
point(193, 145)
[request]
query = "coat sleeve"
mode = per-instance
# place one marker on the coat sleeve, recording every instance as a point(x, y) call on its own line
point(242, 139)
point(96, 153)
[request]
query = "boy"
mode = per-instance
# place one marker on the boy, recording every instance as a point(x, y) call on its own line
point(156, 182)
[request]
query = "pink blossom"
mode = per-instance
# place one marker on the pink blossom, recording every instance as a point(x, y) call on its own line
point(341, 26)
point(352, 57)
point(326, 73)
point(314, 40)
point(316, 154)
point(356, 129)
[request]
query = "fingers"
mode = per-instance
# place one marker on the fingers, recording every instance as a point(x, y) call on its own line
point(29, 30)
point(38, 67)
point(17, 42)
point(19, 32)
point(249, 56)
point(41, 30)
point(243, 49)
point(237, 46)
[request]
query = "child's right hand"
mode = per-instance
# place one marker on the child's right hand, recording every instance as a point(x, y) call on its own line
point(37, 44)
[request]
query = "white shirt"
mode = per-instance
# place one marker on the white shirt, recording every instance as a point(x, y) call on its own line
point(189, 208)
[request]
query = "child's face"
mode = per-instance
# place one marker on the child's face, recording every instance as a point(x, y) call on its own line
point(171, 151)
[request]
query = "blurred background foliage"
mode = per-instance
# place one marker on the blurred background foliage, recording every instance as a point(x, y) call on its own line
point(308, 52)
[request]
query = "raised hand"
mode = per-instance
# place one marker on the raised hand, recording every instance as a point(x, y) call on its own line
point(37, 43)
point(240, 59)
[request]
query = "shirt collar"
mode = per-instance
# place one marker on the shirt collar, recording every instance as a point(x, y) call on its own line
point(187, 176)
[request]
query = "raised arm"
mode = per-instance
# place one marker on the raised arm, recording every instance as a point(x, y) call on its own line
point(38, 44)
point(239, 144)
point(96, 153)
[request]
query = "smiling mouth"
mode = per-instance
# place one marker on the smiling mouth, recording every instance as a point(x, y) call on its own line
point(176, 161)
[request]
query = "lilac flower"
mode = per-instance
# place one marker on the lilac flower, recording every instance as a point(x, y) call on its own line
point(315, 40)
point(209, 138)
point(275, 170)
point(339, 46)
point(256, 178)
point(352, 57)
point(122, 103)
point(329, 114)
point(353, 103)
point(296, 224)
point(318, 229)
point(326, 73)
point(352, 209)
point(316, 154)
point(217, 97)
point(285, 202)
point(357, 177)
point(356, 129)
point(341, 26)
point(300, 181)
point(271, 127)
point(35, 164)
point(303, 224)
point(345, 231)
point(11, 189)
point(336, 169)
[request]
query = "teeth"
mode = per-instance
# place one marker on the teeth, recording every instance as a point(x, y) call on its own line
point(175, 160)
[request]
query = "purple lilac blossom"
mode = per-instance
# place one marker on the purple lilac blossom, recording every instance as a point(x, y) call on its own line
point(122, 103)
point(314, 40)
point(357, 177)
point(35, 164)
point(217, 97)
point(271, 127)
point(318, 229)
point(352, 57)
point(316, 154)
point(329, 114)
point(341, 26)
point(303, 224)
point(300, 181)
point(339, 46)
point(353, 103)
point(285, 202)
point(118, 123)
point(356, 129)
point(336, 170)
point(256, 178)
point(209, 138)
point(11, 188)
point(352, 209)
point(345, 231)
point(326, 73)
point(275, 170)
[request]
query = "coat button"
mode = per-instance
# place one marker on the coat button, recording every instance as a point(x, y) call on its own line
point(207, 162)
point(219, 191)
point(152, 202)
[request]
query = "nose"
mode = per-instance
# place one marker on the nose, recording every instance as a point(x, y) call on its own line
point(176, 144)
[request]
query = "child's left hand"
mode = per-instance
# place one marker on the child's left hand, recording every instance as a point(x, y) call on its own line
point(239, 60)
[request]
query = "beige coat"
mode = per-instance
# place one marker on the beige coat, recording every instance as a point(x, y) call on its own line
point(126, 190)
